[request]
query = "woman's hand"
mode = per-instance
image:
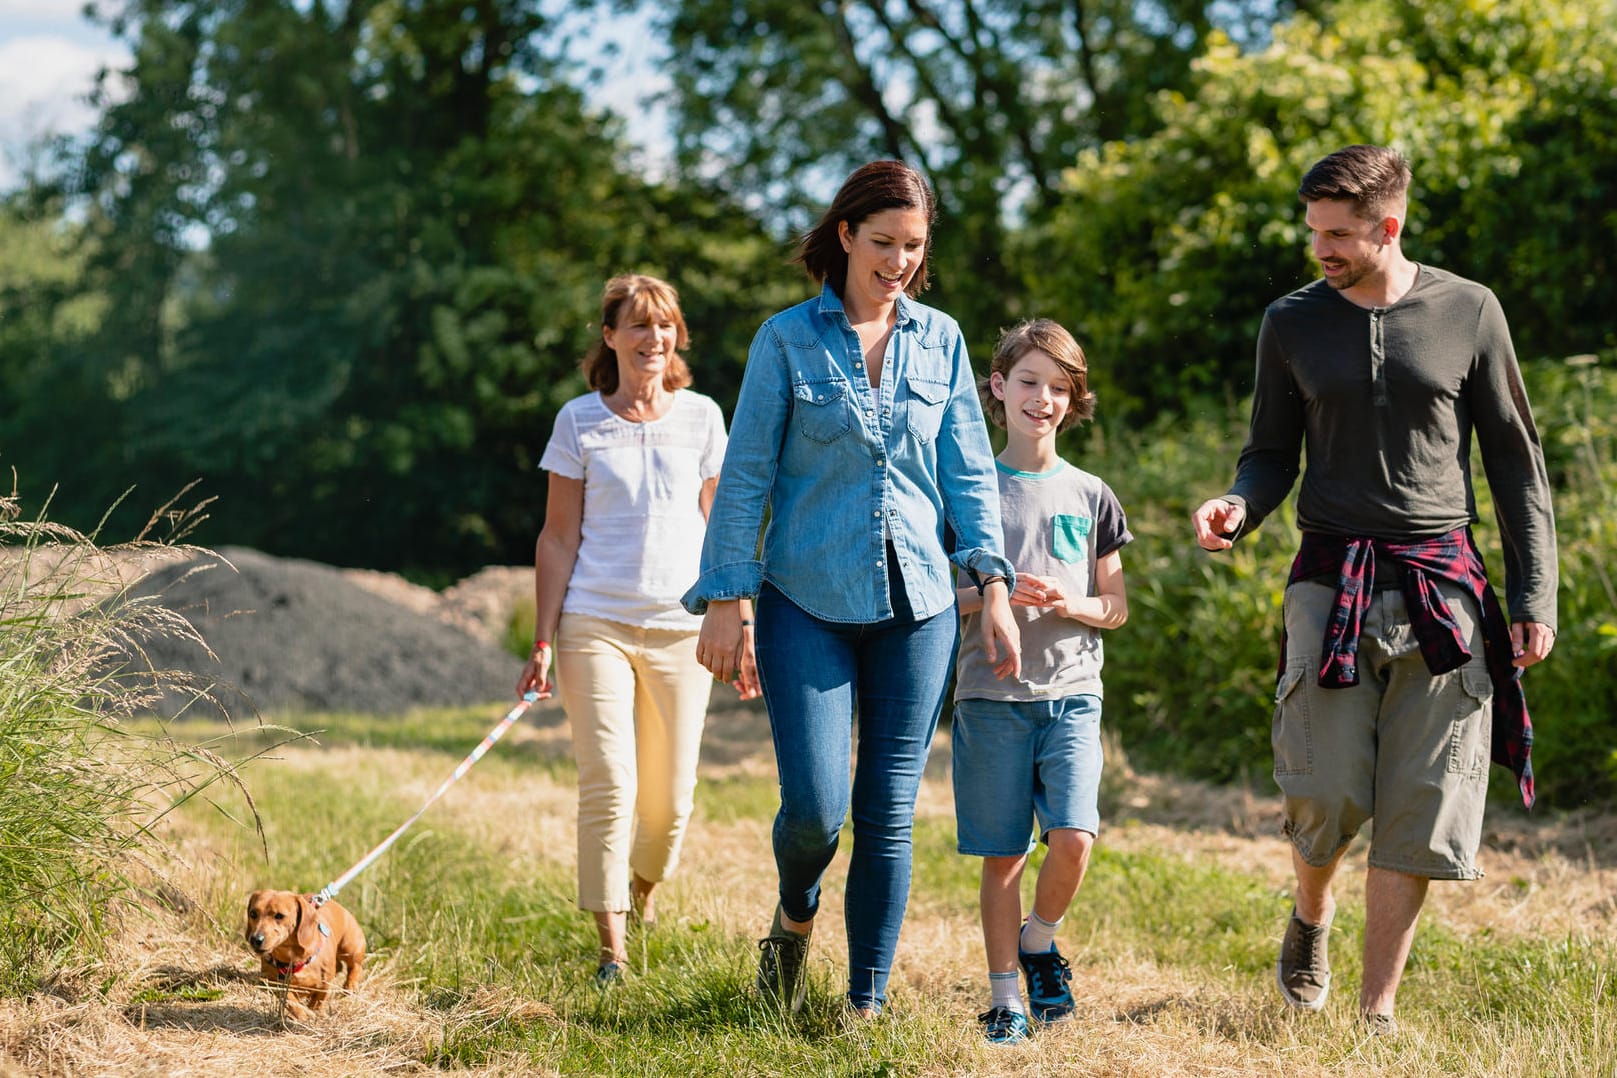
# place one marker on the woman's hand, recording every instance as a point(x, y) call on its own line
point(1002, 640)
point(536, 675)
point(746, 683)
point(725, 644)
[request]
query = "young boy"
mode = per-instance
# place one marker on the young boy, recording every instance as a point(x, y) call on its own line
point(1030, 750)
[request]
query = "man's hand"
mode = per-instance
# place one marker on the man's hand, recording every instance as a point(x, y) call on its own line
point(1214, 519)
point(1530, 642)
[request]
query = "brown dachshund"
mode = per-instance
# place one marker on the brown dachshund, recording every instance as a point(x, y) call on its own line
point(300, 944)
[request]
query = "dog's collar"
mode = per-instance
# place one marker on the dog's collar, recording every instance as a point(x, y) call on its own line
point(289, 969)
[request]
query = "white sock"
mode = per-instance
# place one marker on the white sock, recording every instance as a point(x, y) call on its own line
point(1006, 991)
point(1038, 934)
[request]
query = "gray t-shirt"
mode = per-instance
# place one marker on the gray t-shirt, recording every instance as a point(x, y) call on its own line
point(1057, 524)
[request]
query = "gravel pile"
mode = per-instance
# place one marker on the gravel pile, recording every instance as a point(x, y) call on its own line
point(298, 636)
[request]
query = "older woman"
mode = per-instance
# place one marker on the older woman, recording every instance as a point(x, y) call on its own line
point(633, 466)
point(860, 432)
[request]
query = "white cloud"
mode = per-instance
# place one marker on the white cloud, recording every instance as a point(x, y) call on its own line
point(43, 10)
point(44, 82)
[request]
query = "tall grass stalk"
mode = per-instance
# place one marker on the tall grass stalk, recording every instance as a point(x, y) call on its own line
point(79, 792)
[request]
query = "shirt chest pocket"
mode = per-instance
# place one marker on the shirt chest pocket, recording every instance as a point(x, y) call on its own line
point(1069, 539)
point(821, 408)
point(924, 411)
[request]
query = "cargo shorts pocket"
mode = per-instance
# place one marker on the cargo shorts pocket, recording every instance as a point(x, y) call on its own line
point(1471, 733)
point(1290, 733)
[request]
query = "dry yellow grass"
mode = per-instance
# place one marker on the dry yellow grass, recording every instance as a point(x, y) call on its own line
point(1134, 1018)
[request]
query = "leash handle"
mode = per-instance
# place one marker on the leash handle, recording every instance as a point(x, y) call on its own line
point(329, 891)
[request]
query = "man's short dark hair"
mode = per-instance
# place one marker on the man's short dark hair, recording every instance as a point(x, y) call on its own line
point(1374, 178)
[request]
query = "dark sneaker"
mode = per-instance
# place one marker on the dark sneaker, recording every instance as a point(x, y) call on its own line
point(1048, 975)
point(1001, 1025)
point(782, 977)
point(609, 974)
point(1380, 1025)
point(1304, 969)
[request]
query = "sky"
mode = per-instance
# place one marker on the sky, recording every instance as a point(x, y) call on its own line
point(49, 55)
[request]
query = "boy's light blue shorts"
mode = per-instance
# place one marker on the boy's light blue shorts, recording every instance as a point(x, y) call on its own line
point(1019, 761)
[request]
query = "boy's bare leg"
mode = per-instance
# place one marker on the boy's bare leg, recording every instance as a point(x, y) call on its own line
point(1062, 873)
point(1001, 898)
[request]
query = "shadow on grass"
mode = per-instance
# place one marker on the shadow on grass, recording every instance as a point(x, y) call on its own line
point(205, 1017)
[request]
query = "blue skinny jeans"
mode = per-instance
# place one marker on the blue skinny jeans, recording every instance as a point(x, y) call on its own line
point(818, 677)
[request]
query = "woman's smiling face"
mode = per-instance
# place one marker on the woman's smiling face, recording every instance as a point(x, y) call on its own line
point(885, 251)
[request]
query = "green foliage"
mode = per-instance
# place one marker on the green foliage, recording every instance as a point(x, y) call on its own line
point(1167, 248)
point(992, 100)
point(1573, 694)
point(351, 258)
point(78, 791)
point(520, 629)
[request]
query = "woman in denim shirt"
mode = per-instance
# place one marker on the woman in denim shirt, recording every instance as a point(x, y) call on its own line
point(859, 434)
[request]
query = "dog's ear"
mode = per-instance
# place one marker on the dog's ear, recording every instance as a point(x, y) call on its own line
point(255, 901)
point(308, 924)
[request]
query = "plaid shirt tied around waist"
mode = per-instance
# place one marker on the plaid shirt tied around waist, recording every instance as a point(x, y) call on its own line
point(1452, 557)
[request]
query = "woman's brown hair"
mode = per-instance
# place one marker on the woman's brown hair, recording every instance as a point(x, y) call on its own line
point(636, 295)
point(878, 186)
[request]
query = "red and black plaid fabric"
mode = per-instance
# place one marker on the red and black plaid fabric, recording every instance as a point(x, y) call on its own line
point(1453, 557)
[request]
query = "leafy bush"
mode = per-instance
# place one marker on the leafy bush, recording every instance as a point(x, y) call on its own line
point(78, 792)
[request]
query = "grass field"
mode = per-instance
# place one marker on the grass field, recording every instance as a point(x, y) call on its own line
point(481, 964)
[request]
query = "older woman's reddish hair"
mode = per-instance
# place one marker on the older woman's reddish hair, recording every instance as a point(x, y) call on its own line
point(629, 296)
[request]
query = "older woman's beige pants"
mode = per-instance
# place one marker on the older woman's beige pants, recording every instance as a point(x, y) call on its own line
point(636, 700)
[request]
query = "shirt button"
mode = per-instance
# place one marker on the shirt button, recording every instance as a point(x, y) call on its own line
point(876, 513)
point(870, 411)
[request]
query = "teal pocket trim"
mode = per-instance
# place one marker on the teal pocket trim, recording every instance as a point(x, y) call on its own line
point(1069, 540)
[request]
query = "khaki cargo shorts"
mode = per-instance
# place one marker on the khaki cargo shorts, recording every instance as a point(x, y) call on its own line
point(1404, 748)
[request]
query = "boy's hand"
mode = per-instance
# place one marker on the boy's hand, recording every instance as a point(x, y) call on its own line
point(1036, 591)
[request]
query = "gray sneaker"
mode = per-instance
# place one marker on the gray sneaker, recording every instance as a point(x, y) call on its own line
point(1304, 969)
point(782, 976)
point(1380, 1025)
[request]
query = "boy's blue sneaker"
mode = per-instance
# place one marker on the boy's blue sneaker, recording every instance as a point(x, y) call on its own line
point(1001, 1025)
point(1048, 975)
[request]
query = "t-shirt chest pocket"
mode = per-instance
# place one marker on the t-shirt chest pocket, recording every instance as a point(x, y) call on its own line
point(1069, 537)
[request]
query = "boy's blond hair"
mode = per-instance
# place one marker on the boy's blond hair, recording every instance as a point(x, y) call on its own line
point(1047, 336)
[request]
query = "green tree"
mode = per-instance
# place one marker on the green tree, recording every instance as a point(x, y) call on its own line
point(352, 254)
point(1166, 249)
point(992, 99)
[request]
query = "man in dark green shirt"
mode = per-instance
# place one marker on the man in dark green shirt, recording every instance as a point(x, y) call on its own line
point(1383, 372)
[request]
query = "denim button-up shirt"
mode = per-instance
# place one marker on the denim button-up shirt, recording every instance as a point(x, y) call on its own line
point(841, 467)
